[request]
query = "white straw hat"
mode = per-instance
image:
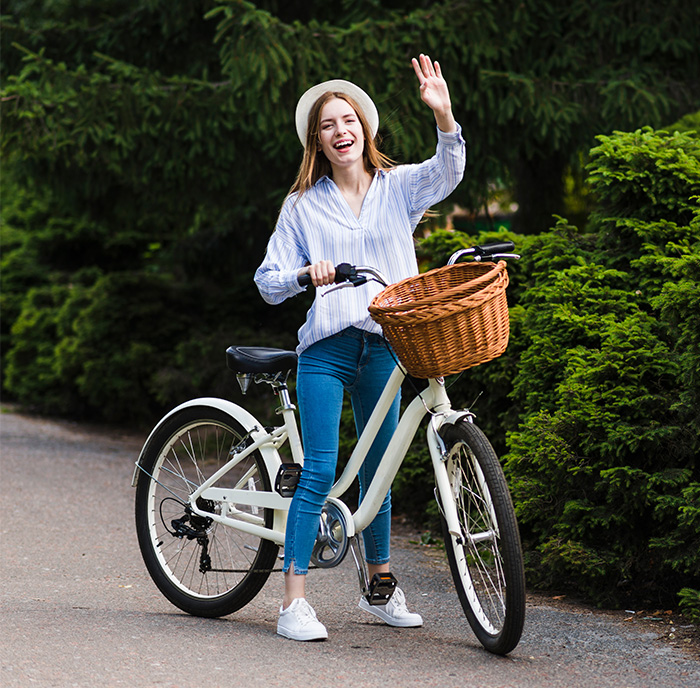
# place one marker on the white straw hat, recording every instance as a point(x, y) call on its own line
point(306, 102)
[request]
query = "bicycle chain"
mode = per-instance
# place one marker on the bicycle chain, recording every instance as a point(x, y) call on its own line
point(253, 570)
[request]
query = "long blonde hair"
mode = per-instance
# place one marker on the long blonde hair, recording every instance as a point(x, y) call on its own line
point(315, 164)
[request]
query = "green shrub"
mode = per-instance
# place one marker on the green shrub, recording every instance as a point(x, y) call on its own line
point(604, 464)
point(690, 603)
point(32, 372)
point(689, 123)
point(647, 185)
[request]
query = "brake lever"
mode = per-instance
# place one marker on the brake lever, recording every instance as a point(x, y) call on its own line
point(359, 281)
point(481, 257)
point(355, 281)
point(498, 256)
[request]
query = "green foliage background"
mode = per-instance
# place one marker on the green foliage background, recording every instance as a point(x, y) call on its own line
point(147, 146)
point(604, 465)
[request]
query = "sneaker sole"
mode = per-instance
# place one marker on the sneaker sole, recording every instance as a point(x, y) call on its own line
point(300, 637)
point(386, 618)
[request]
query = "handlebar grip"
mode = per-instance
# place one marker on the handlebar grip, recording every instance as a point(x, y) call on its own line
point(500, 247)
point(342, 274)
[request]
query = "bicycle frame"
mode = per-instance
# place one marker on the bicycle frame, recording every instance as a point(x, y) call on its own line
point(209, 571)
point(433, 400)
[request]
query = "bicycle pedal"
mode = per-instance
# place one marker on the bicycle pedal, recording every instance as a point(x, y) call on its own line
point(381, 588)
point(287, 479)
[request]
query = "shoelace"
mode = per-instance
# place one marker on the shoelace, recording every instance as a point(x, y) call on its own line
point(305, 614)
point(398, 600)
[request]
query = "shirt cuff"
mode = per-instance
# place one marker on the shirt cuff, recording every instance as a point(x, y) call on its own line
point(450, 138)
point(289, 279)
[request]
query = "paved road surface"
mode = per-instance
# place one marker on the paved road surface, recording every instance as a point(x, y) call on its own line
point(78, 609)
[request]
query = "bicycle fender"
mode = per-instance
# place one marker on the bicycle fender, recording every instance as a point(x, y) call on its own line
point(459, 416)
point(248, 421)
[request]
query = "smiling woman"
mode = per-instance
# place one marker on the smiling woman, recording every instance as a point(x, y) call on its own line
point(351, 204)
point(311, 112)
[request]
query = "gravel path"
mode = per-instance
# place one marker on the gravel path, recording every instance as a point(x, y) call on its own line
point(77, 607)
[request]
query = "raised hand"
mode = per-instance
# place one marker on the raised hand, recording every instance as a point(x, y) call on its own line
point(434, 92)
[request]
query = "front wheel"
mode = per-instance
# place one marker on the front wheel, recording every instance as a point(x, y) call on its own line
point(202, 567)
point(486, 557)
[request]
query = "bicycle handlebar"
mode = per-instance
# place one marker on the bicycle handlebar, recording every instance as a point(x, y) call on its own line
point(485, 252)
point(343, 273)
point(502, 247)
point(351, 275)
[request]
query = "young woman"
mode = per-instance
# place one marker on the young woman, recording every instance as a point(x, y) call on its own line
point(348, 205)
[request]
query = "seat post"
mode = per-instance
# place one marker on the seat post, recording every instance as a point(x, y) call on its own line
point(287, 410)
point(283, 392)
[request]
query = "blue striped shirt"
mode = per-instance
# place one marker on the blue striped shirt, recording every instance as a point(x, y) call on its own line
point(321, 226)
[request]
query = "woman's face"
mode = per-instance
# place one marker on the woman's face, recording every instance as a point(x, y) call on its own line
point(341, 137)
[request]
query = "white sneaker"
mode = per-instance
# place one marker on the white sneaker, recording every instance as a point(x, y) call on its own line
point(394, 612)
point(298, 622)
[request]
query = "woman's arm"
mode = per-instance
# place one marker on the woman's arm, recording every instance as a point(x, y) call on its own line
point(286, 260)
point(434, 92)
point(433, 180)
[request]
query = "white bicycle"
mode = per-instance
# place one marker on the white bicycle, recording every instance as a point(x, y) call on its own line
point(212, 496)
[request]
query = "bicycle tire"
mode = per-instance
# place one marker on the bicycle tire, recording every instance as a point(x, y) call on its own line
point(204, 568)
point(486, 561)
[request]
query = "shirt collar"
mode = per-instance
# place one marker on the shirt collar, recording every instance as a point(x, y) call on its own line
point(325, 178)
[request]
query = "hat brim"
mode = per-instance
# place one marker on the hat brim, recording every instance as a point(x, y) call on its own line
point(306, 102)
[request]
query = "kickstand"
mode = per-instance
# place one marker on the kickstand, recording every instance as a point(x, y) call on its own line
point(360, 564)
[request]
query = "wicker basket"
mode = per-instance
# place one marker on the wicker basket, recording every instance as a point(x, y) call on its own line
point(446, 320)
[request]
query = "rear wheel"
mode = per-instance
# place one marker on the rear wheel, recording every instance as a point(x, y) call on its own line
point(486, 557)
point(201, 566)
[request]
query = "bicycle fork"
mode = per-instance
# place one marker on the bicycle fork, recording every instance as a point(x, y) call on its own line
point(439, 456)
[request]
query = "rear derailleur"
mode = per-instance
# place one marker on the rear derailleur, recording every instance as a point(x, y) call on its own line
point(196, 530)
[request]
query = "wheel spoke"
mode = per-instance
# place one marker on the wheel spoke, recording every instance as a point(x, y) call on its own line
point(481, 544)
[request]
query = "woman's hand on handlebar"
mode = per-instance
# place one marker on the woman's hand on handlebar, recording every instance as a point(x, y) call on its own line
point(320, 274)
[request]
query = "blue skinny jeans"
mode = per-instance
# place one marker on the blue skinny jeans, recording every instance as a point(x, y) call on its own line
point(361, 363)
